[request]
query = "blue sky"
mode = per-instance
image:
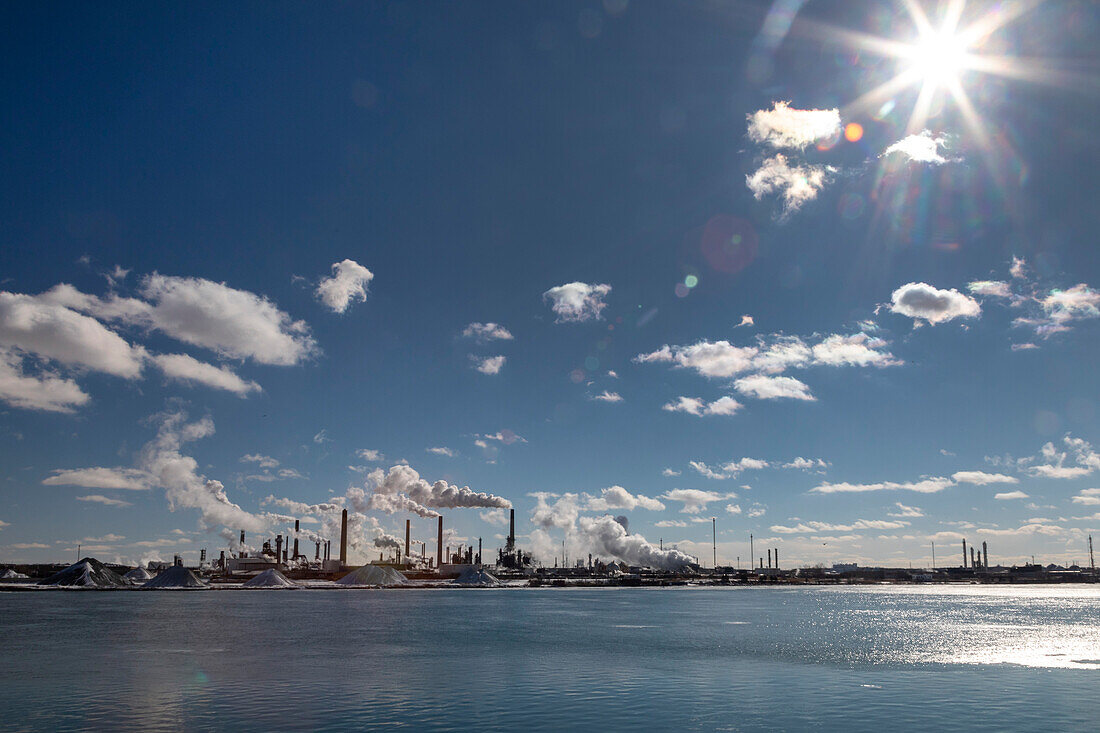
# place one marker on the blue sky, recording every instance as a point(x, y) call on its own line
point(252, 245)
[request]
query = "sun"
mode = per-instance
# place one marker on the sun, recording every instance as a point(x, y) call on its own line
point(937, 57)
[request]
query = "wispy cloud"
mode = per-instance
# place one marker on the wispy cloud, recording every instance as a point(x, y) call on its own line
point(483, 332)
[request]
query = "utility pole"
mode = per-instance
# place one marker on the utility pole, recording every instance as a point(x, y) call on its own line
point(714, 541)
point(1092, 560)
point(752, 554)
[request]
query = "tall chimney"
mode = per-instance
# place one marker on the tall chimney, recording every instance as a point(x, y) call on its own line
point(439, 542)
point(478, 550)
point(241, 548)
point(769, 559)
point(511, 529)
point(317, 550)
point(344, 538)
point(408, 522)
point(295, 557)
point(777, 558)
point(278, 549)
point(964, 553)
point(985, 559)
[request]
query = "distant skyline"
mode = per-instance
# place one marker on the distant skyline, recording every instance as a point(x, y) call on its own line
point(825, 272)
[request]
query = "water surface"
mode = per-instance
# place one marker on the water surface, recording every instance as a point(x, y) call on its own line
point(852, 658)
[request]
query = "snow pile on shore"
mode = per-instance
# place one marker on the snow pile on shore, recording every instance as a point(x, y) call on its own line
point(271, 578)
point(86, 573)
point(477, 577)
point(10, 574)
point(176, 576)
point(373, 575)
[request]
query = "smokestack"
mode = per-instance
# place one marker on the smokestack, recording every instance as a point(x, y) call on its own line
point(769, 559)
point(985, 559)
point(972, 565)
point(240, 549)
point(478, 550)
point(964, 553)
point(278, 549)
point(511, 529)
point(439, 542)
point(344, 538)
point(317, 552)
point(408, 523)
point(295, 557)
point(777, 558)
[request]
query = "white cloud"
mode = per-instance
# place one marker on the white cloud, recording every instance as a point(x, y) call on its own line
point(442, 451)
point(700, 407)
point(994, 288)
point(1018, 269)
point(733, 509)
point(562, 514)
point(347, 285)
point(497, 517)
point(503, 436)
point(1086, 459)
point(795, 184)
point(607, 396)
point(745, 464)
point(785, 127)
point(263, 461)
point(710, 359)
point(616, 497)
point(906, 511)
point(1090, 497)
point(369, 454)
point(1080, 301)
point(706, 471)
point(36, 325)
point(106, 501)
point(694, 500)
point(774, 355)
point(806, 464)
point(577, 302)
point(924, 486)
point(771, 388)
point(612, 373)
point(233, 323)
point(1008, 495)
point(746, 320)
point(923, 302)
point(670, 523)
point(488, 364)
point(922, 148)
point(179, 476)
point(44, 391)
point(981, 478)
point(130, 479)
point(859, 349)
point(184, 368)
point(669, 472)
point(811, 527)
point(482, 332)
